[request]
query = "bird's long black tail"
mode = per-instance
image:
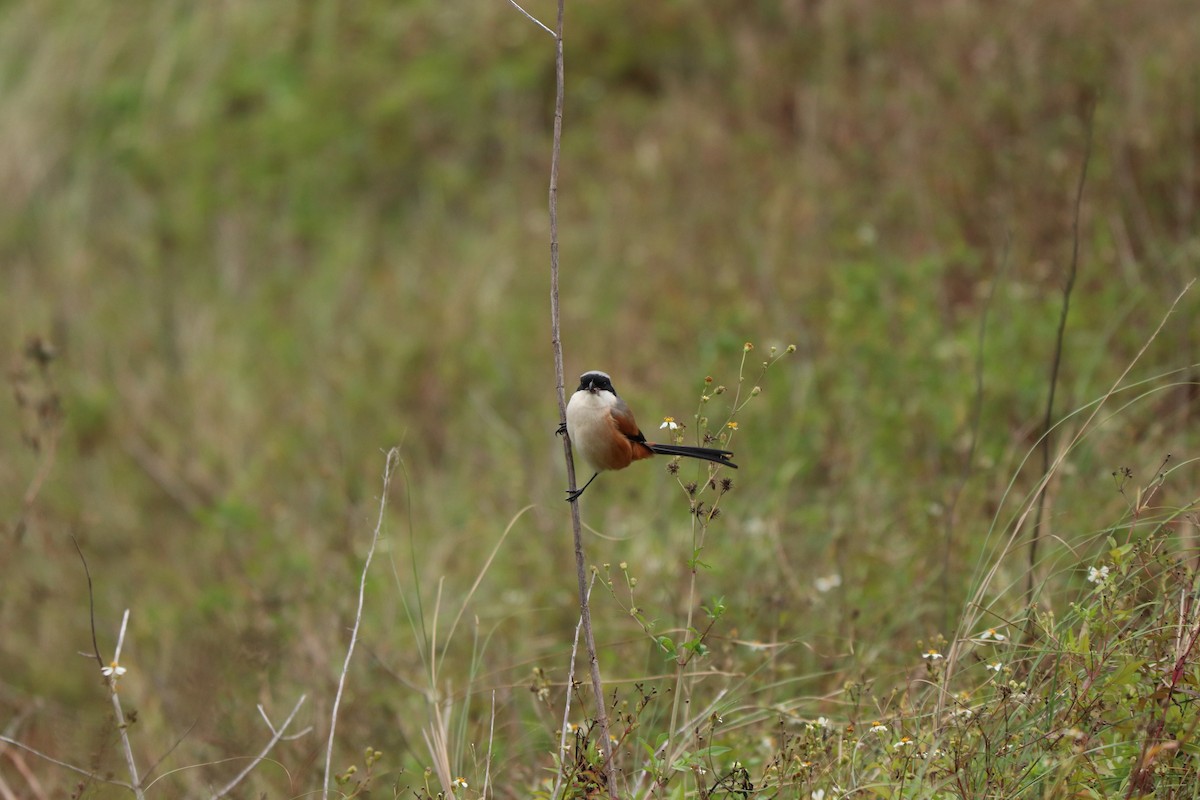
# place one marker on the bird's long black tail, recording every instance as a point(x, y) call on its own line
point(706, 453)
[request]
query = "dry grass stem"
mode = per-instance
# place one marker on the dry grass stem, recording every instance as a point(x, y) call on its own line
point(392, 459)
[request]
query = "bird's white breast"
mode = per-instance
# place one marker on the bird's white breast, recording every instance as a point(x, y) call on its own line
point(590, 426)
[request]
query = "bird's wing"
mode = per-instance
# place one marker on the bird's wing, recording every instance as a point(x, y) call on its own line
point(623, 418)
point(627, 426)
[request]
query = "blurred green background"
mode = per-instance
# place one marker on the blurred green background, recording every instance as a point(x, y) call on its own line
point(267, 241)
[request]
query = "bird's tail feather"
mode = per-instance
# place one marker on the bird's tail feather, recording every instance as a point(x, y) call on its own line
point(705, 453)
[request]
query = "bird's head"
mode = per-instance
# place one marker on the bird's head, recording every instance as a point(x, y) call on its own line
point(595, 381)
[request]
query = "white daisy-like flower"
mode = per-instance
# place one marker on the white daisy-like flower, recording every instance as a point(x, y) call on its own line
point(1097, 576)
point(878, 727)
point(668, 423)
point(113, 670)
point(904, 742)
point(991, 634)
point(931, 655)
point(460, 783)
point(995, 666)
point(824, 722)
point(818, 794)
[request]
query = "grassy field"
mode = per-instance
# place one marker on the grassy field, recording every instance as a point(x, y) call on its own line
point(247, 248)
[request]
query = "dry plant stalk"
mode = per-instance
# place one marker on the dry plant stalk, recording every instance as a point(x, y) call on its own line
point(393, 458)
point(585, 614)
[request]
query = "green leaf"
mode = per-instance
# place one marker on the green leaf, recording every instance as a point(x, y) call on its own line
point(1127, 674)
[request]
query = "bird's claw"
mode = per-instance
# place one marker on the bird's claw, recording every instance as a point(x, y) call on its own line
point(561, 430)
point(573, 495)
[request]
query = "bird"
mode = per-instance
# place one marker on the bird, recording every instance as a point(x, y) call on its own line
point(603, 431)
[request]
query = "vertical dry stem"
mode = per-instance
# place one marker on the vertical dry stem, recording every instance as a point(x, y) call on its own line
point(556, 340)
point(393, 458)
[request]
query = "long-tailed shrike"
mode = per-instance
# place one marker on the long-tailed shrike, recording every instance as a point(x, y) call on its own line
point(605, 434)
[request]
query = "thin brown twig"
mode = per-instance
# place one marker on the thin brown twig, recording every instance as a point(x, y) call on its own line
point(556, 342)
point(91, 602)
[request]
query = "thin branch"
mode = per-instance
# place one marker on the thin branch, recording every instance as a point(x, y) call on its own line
point(262, 712)
point(121, 637)
point(532, 18)
point(1036, 532)
point(393, 457)
point(556, 340)
point(90, 775)
point(154, 767)
point(562, 736)
point(91, 602)
point(123, 731)
point(113, 674)
point(275, 739)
